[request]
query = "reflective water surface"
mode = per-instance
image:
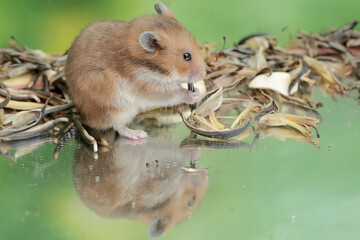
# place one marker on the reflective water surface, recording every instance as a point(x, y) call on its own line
point(180, 187)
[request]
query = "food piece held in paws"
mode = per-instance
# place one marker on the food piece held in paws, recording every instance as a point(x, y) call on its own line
point(192, 89)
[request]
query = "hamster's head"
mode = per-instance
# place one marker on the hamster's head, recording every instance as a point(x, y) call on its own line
point(167, 48)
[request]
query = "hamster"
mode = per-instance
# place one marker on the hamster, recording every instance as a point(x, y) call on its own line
point(116, 69)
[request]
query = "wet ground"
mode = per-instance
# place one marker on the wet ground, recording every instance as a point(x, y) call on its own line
point(267, 187)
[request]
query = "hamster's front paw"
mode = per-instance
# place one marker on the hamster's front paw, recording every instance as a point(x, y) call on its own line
point(190, 97)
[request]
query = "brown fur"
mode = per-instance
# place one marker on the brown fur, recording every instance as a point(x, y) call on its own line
point(104, 60)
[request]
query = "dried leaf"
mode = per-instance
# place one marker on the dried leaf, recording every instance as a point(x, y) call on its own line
point(211, 104)
point(219, 134)
point(17, 105)
point(302, 124)
point(277, 81)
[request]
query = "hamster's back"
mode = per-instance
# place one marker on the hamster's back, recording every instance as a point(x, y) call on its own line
point(94, 45)
point(90, 82)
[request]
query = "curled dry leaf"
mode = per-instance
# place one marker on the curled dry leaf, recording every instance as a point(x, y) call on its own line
point(213, 128)
point(302, 124)
point(84, 134)
point(34, 131)
point(20, 105)
point(25, 117)
point(329, 79)
point(256, 43)
point(211, 104)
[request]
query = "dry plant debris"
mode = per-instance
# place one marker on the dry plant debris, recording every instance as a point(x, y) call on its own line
point(254, 87)
point(271, 86)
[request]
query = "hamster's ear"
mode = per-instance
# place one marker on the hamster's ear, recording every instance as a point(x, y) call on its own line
point(157, 227)
point(149, 41)
point(161, 9)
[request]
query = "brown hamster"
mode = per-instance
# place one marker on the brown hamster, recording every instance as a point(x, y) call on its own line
point(116, 69)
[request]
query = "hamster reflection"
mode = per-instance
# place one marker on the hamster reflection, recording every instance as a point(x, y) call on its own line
point(144, 182)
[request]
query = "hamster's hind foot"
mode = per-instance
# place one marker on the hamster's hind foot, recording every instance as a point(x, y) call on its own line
point(132, 134)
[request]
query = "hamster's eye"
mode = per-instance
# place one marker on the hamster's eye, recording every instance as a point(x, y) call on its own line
point(187, 56)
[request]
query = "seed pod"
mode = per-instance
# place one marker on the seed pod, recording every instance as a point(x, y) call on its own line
point(192, 89)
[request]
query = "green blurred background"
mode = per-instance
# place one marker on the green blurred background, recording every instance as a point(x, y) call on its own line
point(51, 25)
point(292, 190)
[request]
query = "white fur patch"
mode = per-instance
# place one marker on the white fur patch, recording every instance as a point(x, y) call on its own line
point(169, 83)
point(124, 95)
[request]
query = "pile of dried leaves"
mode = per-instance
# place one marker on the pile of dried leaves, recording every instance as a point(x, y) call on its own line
point(255, 87)
point(272, 88)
